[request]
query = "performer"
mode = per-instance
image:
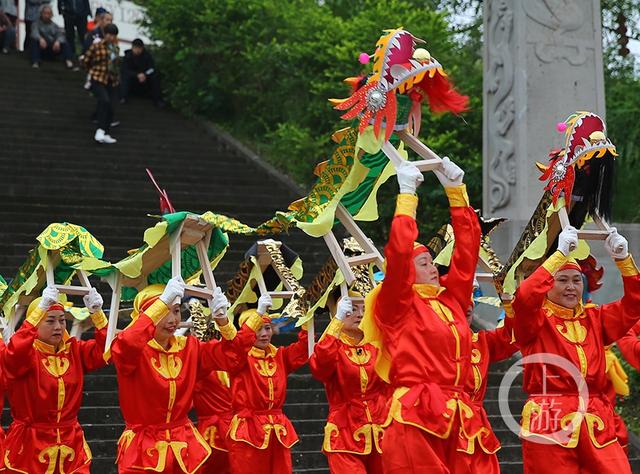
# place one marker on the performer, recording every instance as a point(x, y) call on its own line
point(261, 435)
point(212, 402)
point(157, 372)
point(420, 321)
point(44, 368)
point(629, 346)
point(550, 318)
point(488, 347)
point(357, 395)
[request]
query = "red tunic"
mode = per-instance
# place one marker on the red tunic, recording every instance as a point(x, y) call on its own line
point(44, 387)
point(259, 388)
point(425, 329)
point(488, 347)
point(579, 336)
point(357, 395)
point(629, 346)
point(212, 401)
point(156, 392)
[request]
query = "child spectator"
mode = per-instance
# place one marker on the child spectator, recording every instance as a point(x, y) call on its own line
point(48, 39)
point(139, 74)
point(102, 60)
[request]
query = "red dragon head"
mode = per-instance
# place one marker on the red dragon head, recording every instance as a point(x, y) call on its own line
point(400, 68)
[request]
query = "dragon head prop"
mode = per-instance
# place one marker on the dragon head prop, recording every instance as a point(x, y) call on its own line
point(400, 68)
point(583, 169)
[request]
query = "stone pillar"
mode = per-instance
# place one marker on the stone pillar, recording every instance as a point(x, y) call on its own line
point(542, 62)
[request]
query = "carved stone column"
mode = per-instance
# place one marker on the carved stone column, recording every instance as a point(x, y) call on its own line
point(543, 61)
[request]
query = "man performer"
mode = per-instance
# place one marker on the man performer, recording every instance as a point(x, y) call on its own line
point(44, 368)
point(567, 423)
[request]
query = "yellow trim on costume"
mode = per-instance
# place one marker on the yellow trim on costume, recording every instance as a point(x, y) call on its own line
point(228, 331)
point(36, 316)
point(99, 320)
point(176, 344)
point(555, 261)
point(627, 266)
point(334, 328)
point(457, 196)
point(616, 372)
point(406, 205)
point(223, 377)
point(562, 312)
point(427, 290)
point(508, 309)
point(157, 311)
point(45, 348)
point(582, 357)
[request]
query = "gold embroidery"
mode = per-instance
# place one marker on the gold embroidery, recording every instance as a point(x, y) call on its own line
point(573, 331)
point(55, 456)
point(169, 365)
point(56, 366)
point(162, 447)
point(210, 435)
point(266, 368)
point(476, 356)
point(364, 433)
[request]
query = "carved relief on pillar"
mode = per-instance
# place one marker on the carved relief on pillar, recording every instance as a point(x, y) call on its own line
point(499, 89)
point(561, 22)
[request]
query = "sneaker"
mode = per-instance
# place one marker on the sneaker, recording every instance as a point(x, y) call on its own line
point(102, 137)
point(69, 64)
point(115, 123)
point(35, 65)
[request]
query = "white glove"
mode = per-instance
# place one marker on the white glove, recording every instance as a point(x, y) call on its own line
point(264, 304)
point(616, 245)
point(49, 297)
point(568, 240)
point(93, 301)
point(449, 174)
point(409, 177)
point(219, 304)
point(174, 289)
point(344, 309)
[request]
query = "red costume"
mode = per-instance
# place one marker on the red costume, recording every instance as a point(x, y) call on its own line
point(156, 390)
point(357, 402)
point(629, 346)
point(488, 347)
point(427, 345)
point(261, 435)
point(578, 335)
point(44, 386)
point(212, 401)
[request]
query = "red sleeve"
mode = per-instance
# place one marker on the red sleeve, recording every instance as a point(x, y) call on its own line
point(499, 343)
point(227, 355)
point(92, 351)
point(618, 317)
point(295, 355)
point(396, 292)
point(324, 359)
point(530, 296)
point(629, 346)
point(459, 279)
point(18, 354)
point(128, 346)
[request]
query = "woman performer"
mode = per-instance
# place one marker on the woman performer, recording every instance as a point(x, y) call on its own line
point(157, 372)
point(357, 395)
point(567, 423)
point(261, 435)
point(44, 369)
point(421, 326)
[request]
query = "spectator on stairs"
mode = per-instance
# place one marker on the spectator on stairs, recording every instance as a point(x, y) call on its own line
point(7, 31)
point(101, 20)
point(75, 14)
point(48, 39)
point(139, 74)
point(102, 60)
point(31, 14)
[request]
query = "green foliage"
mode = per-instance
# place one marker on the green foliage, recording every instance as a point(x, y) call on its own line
point(265, 68)
point(629, 407)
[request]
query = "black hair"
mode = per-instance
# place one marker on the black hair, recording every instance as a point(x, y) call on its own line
point(111, 29)
point(137, 43)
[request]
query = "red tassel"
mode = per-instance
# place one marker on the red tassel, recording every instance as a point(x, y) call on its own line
point(390, 111)
point(442, 95)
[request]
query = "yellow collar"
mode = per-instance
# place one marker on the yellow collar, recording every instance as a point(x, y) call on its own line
point(426, 290)
point(176, 344)
point(263, 354)
point(564, 312)
point(42, 346)
point(348, 340)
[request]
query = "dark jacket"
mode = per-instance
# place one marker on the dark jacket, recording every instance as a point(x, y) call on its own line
point(79, 8)
point(134, 65)
point(91, 37)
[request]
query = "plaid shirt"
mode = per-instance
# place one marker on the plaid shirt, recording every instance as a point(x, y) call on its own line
point(103, 62)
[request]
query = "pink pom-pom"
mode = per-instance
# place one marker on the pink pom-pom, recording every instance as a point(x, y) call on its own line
point(561, 127)
point(364, 58)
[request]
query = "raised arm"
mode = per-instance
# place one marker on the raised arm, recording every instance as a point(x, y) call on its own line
point(296, 354)
point(396, 291)
point(92, 351)
point(629, 346)
point(619, 317)
point(325, 354)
